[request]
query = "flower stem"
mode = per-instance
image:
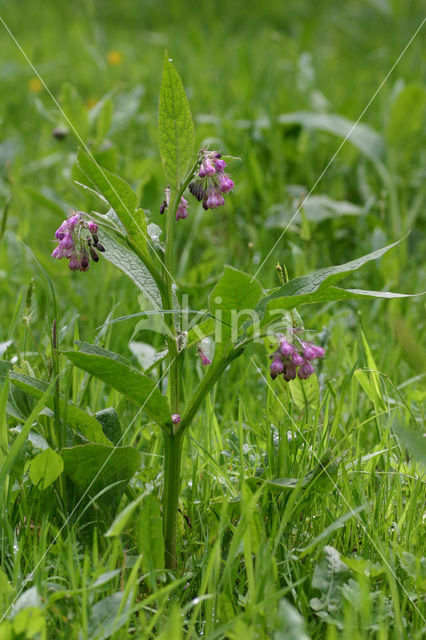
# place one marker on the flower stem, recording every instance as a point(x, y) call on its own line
point(173, 440)
point(172, 479)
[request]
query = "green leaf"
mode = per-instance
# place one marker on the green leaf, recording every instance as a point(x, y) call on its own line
point(76, 418)
point(415, 442)
point(123, 518)
point(97, 466)
point(289, 625)
point(110, 424)
point(319, 286)
point(120, 254)
point(368, 141)
point(45, 468)
point(403, 130)
point(304, 393)
point(174, 625)
point(150, 538)
point(175, 126)
point(120, 197)
point(103, 120)
point(334, 526)
point(75, 110)
point(111, 369)
point(108, 615)
point(22, 436)
point(315, 209)
point(232, 300)
point(29, 623)
point(330, 576)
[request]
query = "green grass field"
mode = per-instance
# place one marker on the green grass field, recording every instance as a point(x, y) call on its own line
point(302, 508)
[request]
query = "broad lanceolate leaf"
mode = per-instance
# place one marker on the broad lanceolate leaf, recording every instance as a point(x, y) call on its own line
point(113, 370)
point(75, 110)
point(319, 287)
point(45, 468)
point(110, 424)
point(108, 616)
point(175, 127)
point(97, 466)
point(361, 135)
point(290, 625)
point(403, 133)
point(330, 576)
point(118, 252)
point(87, 426)
point(121, 198)
point(232, 301)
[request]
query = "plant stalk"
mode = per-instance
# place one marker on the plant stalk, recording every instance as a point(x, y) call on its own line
point(173, 440)
point(172, 467)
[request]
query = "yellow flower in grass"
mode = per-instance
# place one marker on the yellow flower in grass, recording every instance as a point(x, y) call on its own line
point(114, 58)
point(35, 85)
point(91, 102)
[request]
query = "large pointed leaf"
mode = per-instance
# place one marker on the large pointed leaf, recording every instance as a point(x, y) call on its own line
point(97, 466)
point(326, 294)
point(113, 370)
point(120, 197)
point(118, 252)
point(319, 287)
point(360, 135)
point(76, 418)
point(175, 127)
point(232, 300)
point(45, 468)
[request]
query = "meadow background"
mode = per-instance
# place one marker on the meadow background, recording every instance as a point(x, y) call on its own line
point(269, 83)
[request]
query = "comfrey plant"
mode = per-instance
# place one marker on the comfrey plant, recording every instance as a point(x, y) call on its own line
point(239, 309)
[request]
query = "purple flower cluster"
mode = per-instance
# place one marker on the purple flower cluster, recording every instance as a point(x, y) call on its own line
point(77, 241)
point(291, 361)
point(212, 182)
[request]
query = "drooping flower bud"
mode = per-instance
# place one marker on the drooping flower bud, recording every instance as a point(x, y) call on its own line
point(219, 163)
point(59, 133)
point(93, 227)
point(225, 182)
point(176, 418)
point(205, 360)
point(181, 212)
point(93, 254)
point(297, 359)
point(287, 349)
point(312, 351)
point(305, 371)
point(213, 198)
point(277, 367)
point(289, 372)
point(197, 189)
point(206, 168)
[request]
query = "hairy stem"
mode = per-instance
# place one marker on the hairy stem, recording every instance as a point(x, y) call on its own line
point(171, 490)
point(173, 440)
